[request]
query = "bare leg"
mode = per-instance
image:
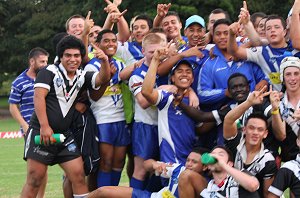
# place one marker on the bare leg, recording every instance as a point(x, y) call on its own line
point(67, 188)
point(92, 181)
point(42, 189)
point(191, 184)
point(139, 171)
point(111, 192)
point(106, 153)
point(36, 171)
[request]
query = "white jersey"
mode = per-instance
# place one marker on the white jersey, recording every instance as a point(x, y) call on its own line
point(109, 108)
point(129, 52)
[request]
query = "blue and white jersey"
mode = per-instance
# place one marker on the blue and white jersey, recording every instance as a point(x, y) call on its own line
point(129, 52)
point(269, 60)
point(215, 73)
point(296, 53)
point(109, 108)
point(176, 131)
point(173, 174)
point(197, 64)
point(21, 93)
point(149, 115)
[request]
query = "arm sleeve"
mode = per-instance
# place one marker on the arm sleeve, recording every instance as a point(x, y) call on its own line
point(282, 181)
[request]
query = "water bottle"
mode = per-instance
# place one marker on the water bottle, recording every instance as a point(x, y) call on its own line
point(206, 159)
point(59, 138)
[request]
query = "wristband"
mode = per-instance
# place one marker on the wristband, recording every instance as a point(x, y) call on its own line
point(275, 112)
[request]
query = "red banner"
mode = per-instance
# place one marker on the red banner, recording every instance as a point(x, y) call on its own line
point(11, 134)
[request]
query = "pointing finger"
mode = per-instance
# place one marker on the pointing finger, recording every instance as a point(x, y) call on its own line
point(88, 15)
point(245, 5)
point(123, 13)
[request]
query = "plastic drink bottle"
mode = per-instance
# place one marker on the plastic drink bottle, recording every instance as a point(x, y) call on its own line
point(59, 138)
point(206, 158)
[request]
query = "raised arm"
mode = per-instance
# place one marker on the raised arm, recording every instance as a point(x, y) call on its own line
point(232, 46)
point(104, 74)
point(162, 10)
point(295, 25)
point(88, 24)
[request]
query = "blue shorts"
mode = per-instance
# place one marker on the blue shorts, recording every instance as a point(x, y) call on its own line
point(115, 133)
point(145, 140)
point(137, 193)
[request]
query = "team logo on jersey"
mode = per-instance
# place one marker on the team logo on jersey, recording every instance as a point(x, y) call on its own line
point(272, 59)
point(178, 112)
point(72, 147)
point(59, 82)
point(256, 168)
point(254, 49)
point(78, 85)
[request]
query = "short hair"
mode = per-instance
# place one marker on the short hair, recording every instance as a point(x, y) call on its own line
point(219, 11)
point(220, 22)
point(145, 18)
point(57, 37)
point(156, 30)
point(173, 13)
point(200, 150)
point(101, 33)
point(235, 75)
point(228, 151)
point(256, 15)
point(76, 16)
point(70, 42)
point(258, 115)
point(151, 38)
point(273, 16)
point(37, 51)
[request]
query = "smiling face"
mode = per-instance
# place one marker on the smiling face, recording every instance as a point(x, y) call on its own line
point(94, 33)
point(275, 32)
point(76, 27)
point(194, 34)
point(171, 26)
point(261, 30)
point(238, 89)
point(255, 131)
point(139, 29)
point(193, 162)
point(220, 36)
point(108, 44)
point(291, 78)
point(71, 61)
point(183, 76)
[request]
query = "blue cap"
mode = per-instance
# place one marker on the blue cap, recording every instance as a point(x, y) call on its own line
point(182, 61)
point(194, 19)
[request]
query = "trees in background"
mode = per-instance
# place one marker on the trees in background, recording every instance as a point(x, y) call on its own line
point(31, 23)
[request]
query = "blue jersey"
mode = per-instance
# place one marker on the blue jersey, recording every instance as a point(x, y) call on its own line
point(22, 94)
point(129, 52)
point(215, 73)
point(176, 131)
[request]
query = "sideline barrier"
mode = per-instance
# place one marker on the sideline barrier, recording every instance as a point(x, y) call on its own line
point(10, 134)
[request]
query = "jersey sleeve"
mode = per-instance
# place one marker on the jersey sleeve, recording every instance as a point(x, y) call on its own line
point(232, 144)
point(44, 79)
point(163, 99)
point(135, 84)
point(282, 181)
point(15, 94)
point(253, 54)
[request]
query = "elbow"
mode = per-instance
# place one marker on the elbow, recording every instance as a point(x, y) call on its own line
point(253, 186)
point(281, 137)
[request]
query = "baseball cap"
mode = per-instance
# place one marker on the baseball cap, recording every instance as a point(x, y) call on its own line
point(289, 61)
point(194, 19)
point(182, 61)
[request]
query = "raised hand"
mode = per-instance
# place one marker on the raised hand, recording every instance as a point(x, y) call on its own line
point(111, 7)
point(244, 16)
point(88, 23)
point(257, 97)
point(275, 98)
point(99, 53)
point(162, 9)
point(193, 51)
point(117, 2)
point(161, 53)
point(234, 28)
point(115, 16)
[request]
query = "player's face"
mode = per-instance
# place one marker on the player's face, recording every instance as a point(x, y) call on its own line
point(39, 62)
point(194, 34)
point(238, 89)
point(94, 33)
point(76, 27)
point(222, 155)
point(256, 131)
point(109, 44)
point(139, 29)
point(149, 50)
point(261, 30)
point(212, 19)
point(193, 162)
point(292, 79)
point(71, 60)
point(183, 76)
point(171, 26)
point(220, 36)
point(275, 33)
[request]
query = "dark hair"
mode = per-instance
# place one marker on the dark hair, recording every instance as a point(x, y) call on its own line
point(100, 35)
point(219, 11)
point(146, 18)
point(70, 42)
point(200, 150)
point(257, 115)
point(37, 51)
point(220, 22)
point(235, 75)
point(173, 13)
point(273, 16)
point(256, 15)
point(57, 37)
point(156, 30)
point(228, 151)
point(76, 16)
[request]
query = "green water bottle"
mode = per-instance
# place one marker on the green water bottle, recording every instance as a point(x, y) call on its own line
point(59, 138)
point(206, 159)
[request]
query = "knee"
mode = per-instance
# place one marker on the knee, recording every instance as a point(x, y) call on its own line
point(106, 163)
point(185, 177)
point(35, 178)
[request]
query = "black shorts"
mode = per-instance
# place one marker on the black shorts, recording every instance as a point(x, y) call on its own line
point(52, 154)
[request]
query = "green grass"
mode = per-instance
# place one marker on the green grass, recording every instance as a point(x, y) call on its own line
point(4, 102)
point(9, 125)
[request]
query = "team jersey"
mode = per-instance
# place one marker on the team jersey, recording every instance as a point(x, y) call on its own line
point(229, 188)
point(149, 115)
point(263, 165)
point(288, 145)
point(109, 108)
point(176, 131)
point(172, 174)
point(215, 73)
point(21, 93)
point(129, 52)
point(269, 59)
point(288, 176)
point(62, 94)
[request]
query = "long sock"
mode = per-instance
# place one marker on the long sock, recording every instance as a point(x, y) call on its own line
point(103, 179)
point(135, 183)
point(80, 196)
point(115, 177)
